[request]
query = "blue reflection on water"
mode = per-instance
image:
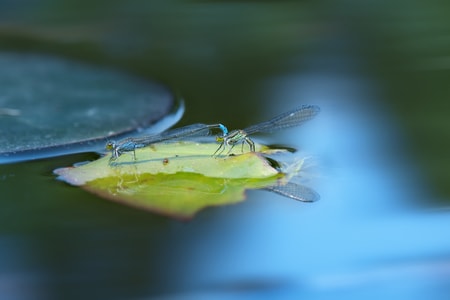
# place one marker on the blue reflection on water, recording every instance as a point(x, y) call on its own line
point(367, 237)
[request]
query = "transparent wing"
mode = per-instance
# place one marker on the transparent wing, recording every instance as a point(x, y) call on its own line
point(295, 191)
point(288, 119)
point(197, 129)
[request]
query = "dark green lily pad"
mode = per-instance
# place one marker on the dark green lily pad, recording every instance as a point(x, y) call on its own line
point(49, 103)
point(179, 179)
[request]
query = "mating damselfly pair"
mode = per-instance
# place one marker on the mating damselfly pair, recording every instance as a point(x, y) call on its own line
point(226, 139)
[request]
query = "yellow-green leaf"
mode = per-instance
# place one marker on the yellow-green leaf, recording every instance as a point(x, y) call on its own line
point(177, 179)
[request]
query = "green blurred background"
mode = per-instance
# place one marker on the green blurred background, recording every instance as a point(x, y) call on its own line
point(220, 56)
point(216, 54)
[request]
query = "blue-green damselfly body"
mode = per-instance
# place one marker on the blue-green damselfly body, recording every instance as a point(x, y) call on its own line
point(288, 119)
point(131, 144)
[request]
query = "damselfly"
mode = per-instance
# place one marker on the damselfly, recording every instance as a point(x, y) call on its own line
point(131, 144)
point(288, 119)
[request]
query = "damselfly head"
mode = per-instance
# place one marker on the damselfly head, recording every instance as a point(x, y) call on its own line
point(110, 145)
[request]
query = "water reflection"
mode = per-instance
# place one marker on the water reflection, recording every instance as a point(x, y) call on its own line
point(367, 237)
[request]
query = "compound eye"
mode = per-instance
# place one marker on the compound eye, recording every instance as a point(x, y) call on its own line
point(110, 145)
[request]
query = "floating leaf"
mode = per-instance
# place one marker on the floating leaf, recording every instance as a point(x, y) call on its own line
point(180, 178)
point(48, 103)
